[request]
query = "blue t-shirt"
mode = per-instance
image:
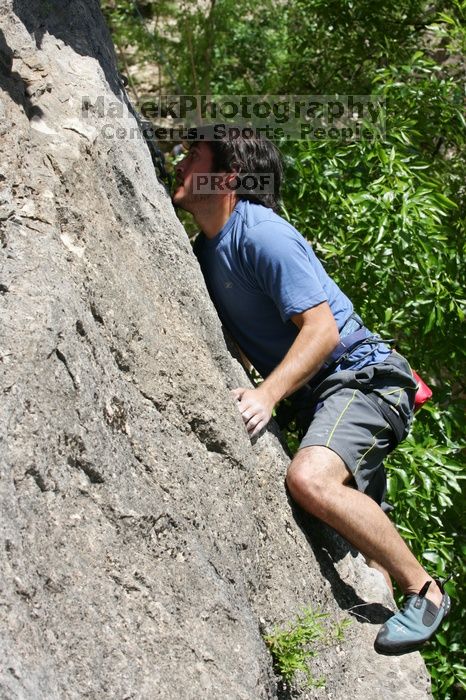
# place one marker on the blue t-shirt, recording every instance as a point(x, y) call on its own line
point(260, 272)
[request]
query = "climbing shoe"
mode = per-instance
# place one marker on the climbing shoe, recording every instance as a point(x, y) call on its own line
point(413, 625)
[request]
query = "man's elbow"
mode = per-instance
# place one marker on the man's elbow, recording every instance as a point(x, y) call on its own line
point(320, 321)
point(333, 337)
point(330, 336)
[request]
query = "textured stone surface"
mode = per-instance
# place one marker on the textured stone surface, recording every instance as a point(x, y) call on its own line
point(145, 543)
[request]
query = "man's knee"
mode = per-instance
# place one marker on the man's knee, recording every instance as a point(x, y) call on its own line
point(312, 476)
point(306, 485)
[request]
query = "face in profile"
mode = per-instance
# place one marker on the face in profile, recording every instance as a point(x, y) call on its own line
point(199, 159)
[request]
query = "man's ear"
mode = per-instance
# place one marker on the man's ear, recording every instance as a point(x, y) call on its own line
point(231, 179)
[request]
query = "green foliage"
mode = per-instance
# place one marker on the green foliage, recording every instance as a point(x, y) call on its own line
point(127, 22)
point(386, 216)
point(383, 215)
point(200, 49)
point(293, 646)
point(425, 478)
point(338, 44)
point(388, 219)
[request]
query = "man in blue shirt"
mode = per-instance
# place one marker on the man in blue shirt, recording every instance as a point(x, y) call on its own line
point(300, 332)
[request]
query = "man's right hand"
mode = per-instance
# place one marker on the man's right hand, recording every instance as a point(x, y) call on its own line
point(255, 406)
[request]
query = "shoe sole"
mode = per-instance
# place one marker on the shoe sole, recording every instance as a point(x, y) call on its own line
point(400, 652)
point(419, 645)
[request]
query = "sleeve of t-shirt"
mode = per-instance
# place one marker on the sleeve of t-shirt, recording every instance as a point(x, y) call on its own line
point(285, 267)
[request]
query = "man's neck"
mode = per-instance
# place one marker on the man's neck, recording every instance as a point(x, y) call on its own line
point(211, 220)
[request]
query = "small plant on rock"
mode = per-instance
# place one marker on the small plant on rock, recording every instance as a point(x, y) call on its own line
point(295, 644)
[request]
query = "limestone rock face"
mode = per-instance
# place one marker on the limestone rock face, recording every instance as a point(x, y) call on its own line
point(146, 545)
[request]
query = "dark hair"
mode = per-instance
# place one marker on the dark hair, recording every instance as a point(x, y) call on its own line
point(240, 149)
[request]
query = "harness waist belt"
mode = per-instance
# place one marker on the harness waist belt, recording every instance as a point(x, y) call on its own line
point(347, 344)
point(344, 348)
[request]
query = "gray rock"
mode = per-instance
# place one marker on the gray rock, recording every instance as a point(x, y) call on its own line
point(146, 545)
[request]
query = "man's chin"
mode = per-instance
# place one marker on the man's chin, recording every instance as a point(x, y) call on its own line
point(180, 200)
point(189, 202)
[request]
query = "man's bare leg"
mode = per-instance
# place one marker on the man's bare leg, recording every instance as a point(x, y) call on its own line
point(318, 480)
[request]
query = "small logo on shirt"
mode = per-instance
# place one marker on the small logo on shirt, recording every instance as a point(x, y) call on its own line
point(228, 285)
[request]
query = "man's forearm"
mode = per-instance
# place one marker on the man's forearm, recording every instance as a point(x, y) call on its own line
point(317, 337)
point(303, 360)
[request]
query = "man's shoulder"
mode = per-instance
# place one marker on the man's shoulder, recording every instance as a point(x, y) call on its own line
point(257, 216)
point(261, 225)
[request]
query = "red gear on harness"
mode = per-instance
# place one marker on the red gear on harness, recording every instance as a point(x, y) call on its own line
point(423, 392)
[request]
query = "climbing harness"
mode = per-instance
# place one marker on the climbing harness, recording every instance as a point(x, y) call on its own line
point(303, 405)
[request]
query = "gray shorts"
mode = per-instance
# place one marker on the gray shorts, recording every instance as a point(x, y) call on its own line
point(349, 423)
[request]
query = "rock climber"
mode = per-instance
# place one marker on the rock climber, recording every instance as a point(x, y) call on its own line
point(301, 333)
